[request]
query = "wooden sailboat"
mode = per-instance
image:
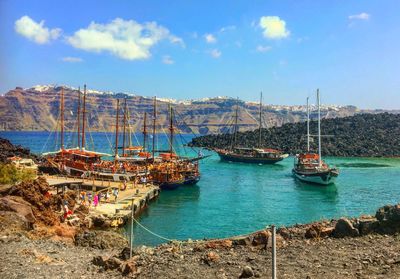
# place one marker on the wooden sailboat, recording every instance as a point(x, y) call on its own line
point(309, 167)
point(257, 155)
point(167, 173)
point(72, 161)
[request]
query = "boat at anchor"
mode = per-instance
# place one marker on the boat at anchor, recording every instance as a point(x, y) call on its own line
point(309, 167)
point(255, 155)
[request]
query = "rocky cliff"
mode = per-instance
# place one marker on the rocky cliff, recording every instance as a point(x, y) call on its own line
point(37, 108)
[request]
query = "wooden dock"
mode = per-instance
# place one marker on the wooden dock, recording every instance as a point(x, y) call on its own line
point(138, 198)
point(136, 195)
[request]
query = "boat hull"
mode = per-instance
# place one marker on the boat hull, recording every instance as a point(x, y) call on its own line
point(192, 180)
point(251, 160)
point(171, 185)
point(320, 178)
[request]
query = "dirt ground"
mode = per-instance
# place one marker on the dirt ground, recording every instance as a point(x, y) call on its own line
point(371, 256)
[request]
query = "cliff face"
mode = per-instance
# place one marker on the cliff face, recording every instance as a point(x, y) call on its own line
point(37, 108)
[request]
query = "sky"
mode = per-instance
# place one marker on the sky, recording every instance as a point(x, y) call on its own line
point(350, 49)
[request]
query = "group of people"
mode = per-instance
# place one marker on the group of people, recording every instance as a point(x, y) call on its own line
point(95, 199)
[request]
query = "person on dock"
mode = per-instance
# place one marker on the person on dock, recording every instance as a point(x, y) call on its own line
point(83, 198)
point(99, 198)
point(143, 180)
point(108, 194)
point(95, 200)
point(115, 193)
point(124, 185)
point(89, 196)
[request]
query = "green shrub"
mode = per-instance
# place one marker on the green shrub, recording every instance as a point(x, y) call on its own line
point(9, 174)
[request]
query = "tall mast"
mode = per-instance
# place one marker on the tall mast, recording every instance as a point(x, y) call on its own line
point(79, 118)
point(308, 126)
point(144, 131)
point(260, 124)
point(84, 116)
point(319, 130)
point(62, 118)
point(171, 129)
point(235, 128)
point(116, 133)
point(154, 123)
point(124, 135)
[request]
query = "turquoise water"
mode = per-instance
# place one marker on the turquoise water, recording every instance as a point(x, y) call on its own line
point(236, 198)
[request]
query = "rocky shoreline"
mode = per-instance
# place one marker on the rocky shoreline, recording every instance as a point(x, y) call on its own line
point(36, 244)
point(7, 150)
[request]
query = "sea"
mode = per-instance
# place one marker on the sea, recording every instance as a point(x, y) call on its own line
point(237, 198)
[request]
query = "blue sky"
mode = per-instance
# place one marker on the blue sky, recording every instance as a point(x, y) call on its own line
point(195, 49)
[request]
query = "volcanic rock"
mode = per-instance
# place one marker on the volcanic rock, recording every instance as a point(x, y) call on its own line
point(247, 272)
point(101, 240)
point(18, 205)
point(344, 228)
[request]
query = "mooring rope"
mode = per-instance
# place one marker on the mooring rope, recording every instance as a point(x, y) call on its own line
point(180, 242)
point(151, 232)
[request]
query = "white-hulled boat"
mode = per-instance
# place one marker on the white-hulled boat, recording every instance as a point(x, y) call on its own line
point(309, 167)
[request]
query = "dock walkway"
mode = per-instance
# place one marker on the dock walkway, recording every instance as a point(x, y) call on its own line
point(139, 197)
point(136, 195)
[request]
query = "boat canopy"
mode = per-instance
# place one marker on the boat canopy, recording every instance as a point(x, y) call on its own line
point(134, 148)
point(77, 152)
point(259, 150)
point(168, 156)
point(144, 154)
point(267, 150)
point(131, 158)
point(308, 156)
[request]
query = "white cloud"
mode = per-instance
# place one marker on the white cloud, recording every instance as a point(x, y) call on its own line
point(176, 40)
point(215, 53)
point(72, 59)
point(273, 27)
point(126, 39)
point(34, 31)
point(167, 60)
point(362, 16)
point(227, 28)
point(210, 38)
point(261, 48)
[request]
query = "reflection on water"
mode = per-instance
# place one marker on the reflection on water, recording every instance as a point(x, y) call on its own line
point(363, 165)
point(276, 166)
point(186, 193)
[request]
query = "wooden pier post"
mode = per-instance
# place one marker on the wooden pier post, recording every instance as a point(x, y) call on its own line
point(131, 234)
point(273, 252)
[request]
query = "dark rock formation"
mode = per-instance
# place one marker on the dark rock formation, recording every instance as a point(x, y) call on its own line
point(7, 150)
point(344, 228)
point(367, 135)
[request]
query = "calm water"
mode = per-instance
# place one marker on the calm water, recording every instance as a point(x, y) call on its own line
point(237, 198)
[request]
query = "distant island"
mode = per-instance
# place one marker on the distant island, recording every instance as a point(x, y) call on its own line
point(361, 135)
point(37, 109)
